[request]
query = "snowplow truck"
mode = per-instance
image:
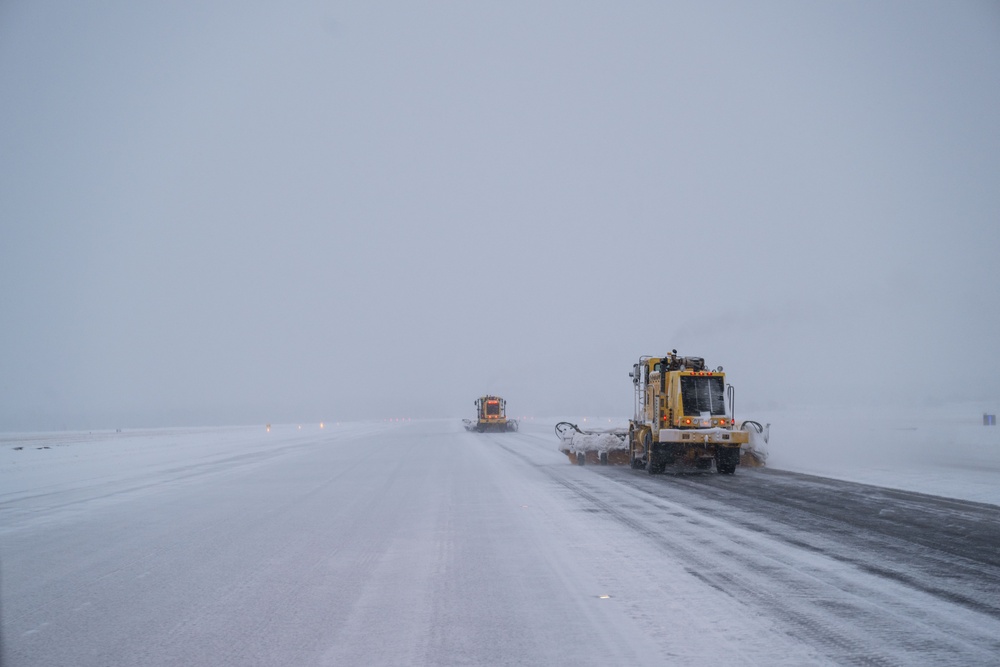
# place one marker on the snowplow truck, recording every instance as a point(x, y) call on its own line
point(682, 419)
point(491, 416)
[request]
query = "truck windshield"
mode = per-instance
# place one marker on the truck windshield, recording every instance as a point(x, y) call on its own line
point(492, 408)
point(703, 394)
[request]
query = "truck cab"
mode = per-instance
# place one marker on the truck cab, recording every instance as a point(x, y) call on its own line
point(491, 414)
point(682, 417)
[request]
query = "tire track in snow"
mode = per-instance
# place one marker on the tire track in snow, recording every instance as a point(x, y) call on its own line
point(851, 609)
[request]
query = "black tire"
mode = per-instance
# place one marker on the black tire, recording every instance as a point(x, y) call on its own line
point(581, 458)
point(726, 468)
point(653, 465)
point(635, 462)
point(604, 458)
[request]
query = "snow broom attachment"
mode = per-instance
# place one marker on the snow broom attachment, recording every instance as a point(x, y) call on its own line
point(753, 454)
point(603, 446)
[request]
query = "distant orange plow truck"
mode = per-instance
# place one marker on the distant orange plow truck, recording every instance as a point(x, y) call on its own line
point(491, 415)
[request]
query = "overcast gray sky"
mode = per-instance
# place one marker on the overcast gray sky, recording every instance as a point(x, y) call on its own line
point(221, 213)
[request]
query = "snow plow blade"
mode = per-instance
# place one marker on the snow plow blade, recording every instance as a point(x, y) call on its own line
point(496, 426)
point(754, 453)
point(596, 446)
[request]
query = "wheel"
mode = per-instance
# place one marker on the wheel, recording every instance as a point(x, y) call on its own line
point(604, 458)
point(581, 458)
point(726, 468)
point(653, 465)
point(634, 461)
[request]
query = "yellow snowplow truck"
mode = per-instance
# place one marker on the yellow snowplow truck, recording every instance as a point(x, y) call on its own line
point(681, 417)
point(491, 416)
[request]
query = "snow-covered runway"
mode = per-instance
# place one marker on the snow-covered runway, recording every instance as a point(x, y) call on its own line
point(420, 543)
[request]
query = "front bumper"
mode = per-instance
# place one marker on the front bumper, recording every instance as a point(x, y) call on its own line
point(703, 436)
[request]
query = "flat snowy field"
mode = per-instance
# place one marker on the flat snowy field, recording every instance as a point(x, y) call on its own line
point(420, 543)
point(945, 451)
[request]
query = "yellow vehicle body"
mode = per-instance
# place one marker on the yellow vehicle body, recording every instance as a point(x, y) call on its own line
point(491, 415)
point(682, 418)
